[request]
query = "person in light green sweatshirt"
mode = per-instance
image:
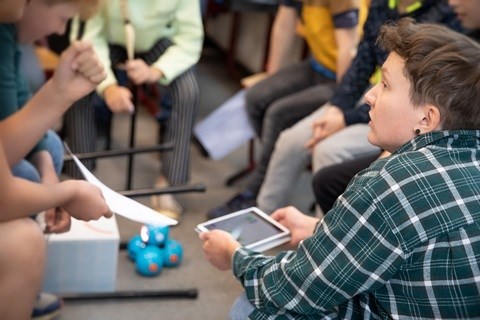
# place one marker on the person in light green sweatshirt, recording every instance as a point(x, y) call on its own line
point(167, 42)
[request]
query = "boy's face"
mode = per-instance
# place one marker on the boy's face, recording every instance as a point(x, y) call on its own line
point(11, 10)
point(41, 20)
point(393, 116)
point(468, 11)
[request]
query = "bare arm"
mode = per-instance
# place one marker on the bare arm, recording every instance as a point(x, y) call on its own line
point(281, 41)
point(282, 37)
point(43, 162)
point(57, 219)
point(333, 119)
point(346, 43)
point(21, 198)
point(77, 74)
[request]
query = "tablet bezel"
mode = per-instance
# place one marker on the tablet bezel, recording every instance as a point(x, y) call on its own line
point(282, 237)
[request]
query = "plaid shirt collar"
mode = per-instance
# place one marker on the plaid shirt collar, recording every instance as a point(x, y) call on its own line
point(446, 138)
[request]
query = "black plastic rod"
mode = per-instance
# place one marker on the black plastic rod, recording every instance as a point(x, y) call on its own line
point(132, 294)
point(121, 152)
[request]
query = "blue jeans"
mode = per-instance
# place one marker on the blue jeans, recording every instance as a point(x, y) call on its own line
point(25, 169)
point(241, 308)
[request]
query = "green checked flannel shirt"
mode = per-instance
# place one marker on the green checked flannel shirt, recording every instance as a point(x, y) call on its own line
point(403, 241)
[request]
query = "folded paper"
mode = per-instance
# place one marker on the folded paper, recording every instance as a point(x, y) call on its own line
point(124, 206)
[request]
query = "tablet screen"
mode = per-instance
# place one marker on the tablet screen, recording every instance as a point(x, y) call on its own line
point(247, 227)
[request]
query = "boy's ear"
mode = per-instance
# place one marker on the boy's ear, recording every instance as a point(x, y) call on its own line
point(431, 120)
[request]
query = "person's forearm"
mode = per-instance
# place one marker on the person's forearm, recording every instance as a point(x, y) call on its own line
point(357, 78)
point(281, 40)
point(344, 60)
point(15, 191)
point(21, 131)
point(40, 198)
point(346, 41)
point(43, 162)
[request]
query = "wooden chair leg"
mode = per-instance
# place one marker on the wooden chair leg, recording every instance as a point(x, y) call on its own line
point(249, 168)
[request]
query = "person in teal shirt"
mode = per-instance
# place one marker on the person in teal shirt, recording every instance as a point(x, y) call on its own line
point(22, 242)
point(403, 241)
point(44, 162)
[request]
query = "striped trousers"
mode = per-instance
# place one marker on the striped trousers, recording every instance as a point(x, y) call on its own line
point(80, 130)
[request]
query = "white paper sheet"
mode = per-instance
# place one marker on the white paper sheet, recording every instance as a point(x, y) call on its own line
point(124, 206)
point(226, 128)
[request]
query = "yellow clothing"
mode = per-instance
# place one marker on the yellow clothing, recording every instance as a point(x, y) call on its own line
point(318, 29)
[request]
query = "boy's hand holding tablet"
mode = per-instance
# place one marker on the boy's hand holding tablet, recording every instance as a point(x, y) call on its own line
point(251, 227)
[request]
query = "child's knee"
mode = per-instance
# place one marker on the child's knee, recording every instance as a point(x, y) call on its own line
point(290, 141)
point(29, 239)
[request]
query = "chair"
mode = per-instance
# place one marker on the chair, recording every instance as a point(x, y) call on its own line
point(215, 7)
point(236, 7)
point(133, 150)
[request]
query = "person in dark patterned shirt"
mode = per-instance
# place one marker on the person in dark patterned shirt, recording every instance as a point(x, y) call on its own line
point(403, 241)
point(330, 181)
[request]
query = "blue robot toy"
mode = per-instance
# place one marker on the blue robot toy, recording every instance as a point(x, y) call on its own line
point(172, 253)
point(149, 261)
point(152, 250)
point(153, 235)
point(135, 245)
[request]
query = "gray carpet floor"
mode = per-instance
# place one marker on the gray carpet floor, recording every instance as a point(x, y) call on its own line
point(216, 290)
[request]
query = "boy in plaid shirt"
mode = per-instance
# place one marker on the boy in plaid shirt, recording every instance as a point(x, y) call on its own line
point(403, 241)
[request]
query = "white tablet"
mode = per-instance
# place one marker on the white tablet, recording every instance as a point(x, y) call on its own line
point(251, 227)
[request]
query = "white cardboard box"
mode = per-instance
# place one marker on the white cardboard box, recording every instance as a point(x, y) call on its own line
point(83, 259)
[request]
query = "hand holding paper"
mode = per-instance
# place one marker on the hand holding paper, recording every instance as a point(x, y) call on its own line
point(124, 206)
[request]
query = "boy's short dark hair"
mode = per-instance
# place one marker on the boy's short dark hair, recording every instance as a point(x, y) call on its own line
point(443, 68)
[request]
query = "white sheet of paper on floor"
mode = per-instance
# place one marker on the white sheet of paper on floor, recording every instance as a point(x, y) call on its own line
point(225, 129)
point(124, 206)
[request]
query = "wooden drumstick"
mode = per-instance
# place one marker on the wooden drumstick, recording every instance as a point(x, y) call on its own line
point(130, 40)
